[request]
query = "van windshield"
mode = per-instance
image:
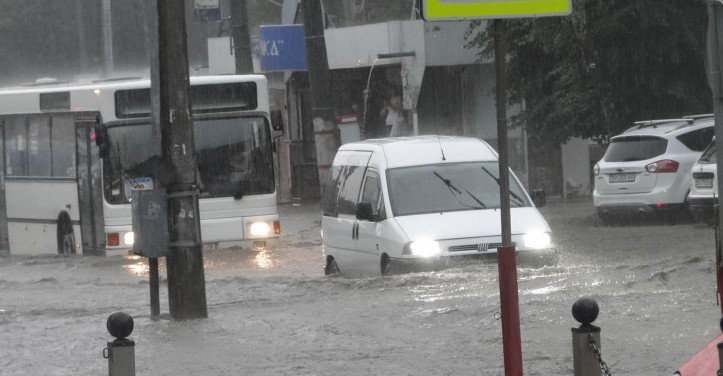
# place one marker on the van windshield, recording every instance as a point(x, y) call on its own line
point(449, 187)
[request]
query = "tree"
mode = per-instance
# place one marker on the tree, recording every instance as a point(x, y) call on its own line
point(608, 64)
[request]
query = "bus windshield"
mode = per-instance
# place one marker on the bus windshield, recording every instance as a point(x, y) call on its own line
point(234, 158)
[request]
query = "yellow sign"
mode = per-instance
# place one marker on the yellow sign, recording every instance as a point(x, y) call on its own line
point(443, 10)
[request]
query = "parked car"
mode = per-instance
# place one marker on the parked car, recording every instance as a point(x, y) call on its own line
point(404, 204)
point(647, 168)
point(703, 197)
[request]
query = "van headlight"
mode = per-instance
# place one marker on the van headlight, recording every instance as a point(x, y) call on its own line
point(422, 248)
point(536, 240)
point(129, 238)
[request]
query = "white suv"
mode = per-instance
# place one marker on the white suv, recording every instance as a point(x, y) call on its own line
point(703, 197)
point(647, 168)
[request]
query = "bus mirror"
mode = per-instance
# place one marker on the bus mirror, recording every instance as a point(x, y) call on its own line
point(100, 134)
point(277, 120)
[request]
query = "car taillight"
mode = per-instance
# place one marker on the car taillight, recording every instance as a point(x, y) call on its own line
point(596, 169)
point(666, 165)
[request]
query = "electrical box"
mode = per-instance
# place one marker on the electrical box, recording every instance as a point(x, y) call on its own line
point(150, 222)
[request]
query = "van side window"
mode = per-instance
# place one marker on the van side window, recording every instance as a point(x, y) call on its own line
point(350, 184)
point(373, 193)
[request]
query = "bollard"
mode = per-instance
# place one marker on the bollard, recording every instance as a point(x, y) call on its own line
point(585, 361)
point(720, 349)
point(121, 352)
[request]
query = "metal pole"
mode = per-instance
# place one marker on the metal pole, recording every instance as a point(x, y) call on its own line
point(153, 279)
point(506, 258)
point(107, 39)
point(82, 44)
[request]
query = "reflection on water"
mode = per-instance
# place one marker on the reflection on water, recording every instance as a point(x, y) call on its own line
point(263, 259)
point(138, 266)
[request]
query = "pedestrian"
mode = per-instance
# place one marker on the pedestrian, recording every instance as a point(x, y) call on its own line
point(393, 115)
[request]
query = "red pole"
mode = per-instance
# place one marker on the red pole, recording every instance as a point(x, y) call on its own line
point(510, 307)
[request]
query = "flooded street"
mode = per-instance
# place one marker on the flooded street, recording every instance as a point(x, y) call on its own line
point(274, 313)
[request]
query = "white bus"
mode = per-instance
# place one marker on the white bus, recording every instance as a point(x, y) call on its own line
point(62, 190)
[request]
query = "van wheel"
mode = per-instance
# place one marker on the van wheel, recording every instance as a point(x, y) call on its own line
point(331, 269)
point(65, 235)
point(386, 266)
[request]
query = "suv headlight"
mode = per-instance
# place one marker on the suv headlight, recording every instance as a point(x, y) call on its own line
point(536, 240)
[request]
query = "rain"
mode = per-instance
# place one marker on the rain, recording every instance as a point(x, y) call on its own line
point(605, 101)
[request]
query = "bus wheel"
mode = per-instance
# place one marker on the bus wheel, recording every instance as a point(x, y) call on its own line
point(331, 269)
point(66, 235)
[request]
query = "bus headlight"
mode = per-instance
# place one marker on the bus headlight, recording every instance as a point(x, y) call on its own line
point(259, 229)
point(423, 248)
point(536, 240)
point(129, 238)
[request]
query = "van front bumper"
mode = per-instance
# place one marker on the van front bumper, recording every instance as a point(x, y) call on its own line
point(419, 264)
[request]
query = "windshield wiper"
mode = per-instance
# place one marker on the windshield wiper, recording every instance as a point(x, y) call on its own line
point(452, 188)
point(519, 201)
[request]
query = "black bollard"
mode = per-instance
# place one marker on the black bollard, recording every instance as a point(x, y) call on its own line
point(121, 352)
point(585, 362)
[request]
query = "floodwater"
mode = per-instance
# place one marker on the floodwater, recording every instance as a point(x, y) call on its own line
point(274, 313)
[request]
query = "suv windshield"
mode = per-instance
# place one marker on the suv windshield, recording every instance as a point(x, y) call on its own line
point(635, 148)
point(233, 155)
point(449, 187)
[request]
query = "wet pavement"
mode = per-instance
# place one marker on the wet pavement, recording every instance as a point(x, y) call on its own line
point(273, 312)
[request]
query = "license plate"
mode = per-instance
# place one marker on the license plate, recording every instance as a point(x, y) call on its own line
point(704, 183)
point(622, 178)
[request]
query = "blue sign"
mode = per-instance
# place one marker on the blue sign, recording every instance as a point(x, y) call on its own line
point(282, 47)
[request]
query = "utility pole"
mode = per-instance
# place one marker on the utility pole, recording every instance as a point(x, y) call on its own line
point(241, 38)
point(322, 109)
point(170, 104)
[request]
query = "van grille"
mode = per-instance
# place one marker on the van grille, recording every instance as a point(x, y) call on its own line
point(480, 247)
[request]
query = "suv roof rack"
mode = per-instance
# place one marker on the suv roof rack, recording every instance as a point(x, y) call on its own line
point(698, 117)
point(654, 123)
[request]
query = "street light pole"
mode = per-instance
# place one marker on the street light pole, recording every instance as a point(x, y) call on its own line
point(506, 255)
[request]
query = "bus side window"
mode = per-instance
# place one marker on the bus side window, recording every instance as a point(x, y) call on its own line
point(16, 147)
point(63, 144)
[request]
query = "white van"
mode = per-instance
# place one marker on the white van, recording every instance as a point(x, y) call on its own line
point(398, 204)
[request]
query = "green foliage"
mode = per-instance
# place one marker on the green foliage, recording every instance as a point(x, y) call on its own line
point(611, 62)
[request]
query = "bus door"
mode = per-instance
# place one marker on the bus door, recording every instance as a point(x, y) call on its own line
point(44, 167)
point(90, 184)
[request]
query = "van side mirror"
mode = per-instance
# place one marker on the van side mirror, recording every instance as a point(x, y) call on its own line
point(538, 198)
point(277, 120)
point(364, 211)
